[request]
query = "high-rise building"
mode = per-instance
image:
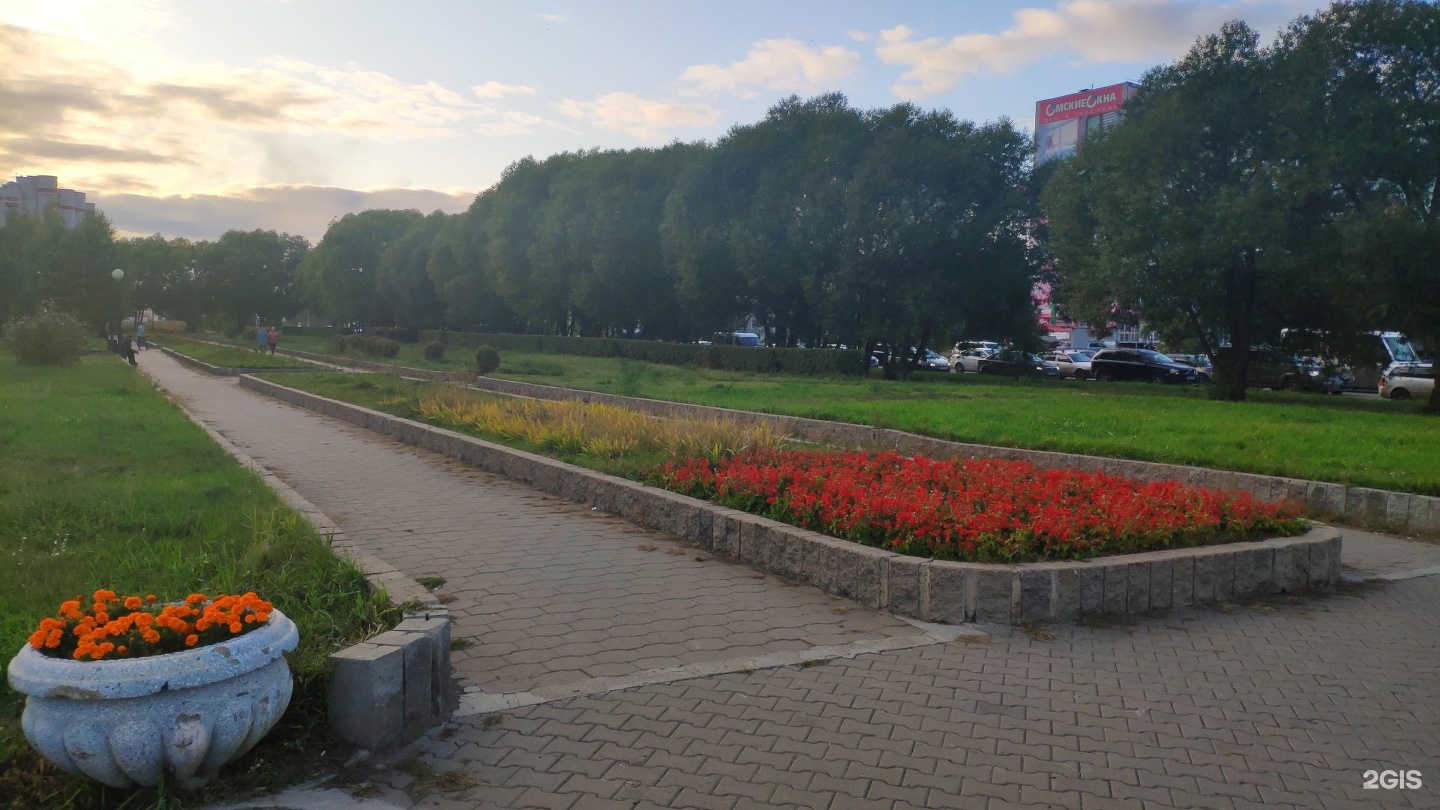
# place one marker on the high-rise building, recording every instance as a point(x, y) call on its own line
point(33, 195)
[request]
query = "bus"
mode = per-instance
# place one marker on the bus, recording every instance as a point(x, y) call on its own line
point(1391, 349)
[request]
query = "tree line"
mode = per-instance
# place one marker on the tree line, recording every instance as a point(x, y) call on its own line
point(1286, 194)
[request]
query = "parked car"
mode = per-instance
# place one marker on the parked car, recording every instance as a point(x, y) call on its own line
point(933, 361)
point(1072, 362)
point(1271, 369)
point(1408, 382)
point(1204, 372)
point(1015, 363)
point(970, 359)
point(1139, 365)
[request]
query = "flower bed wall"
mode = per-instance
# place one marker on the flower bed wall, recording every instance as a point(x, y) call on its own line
point(911, 586)
point(229, 371)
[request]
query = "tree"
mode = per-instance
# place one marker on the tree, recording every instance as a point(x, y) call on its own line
point(339, 277)
point(245, 274)
point(1182, 212)
point(403, 279)
point(164, 274)
point(1366, 107)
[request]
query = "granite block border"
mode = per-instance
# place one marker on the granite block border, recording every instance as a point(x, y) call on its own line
point(227, 371)
point(929, 590)
point(1323, 500)
point(385, 691)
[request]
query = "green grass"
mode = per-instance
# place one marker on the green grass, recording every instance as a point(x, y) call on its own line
point(229, 356)
point(105, 484)
point(1350, 439)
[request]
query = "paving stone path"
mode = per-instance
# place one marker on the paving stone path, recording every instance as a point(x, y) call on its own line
point(1276, 704)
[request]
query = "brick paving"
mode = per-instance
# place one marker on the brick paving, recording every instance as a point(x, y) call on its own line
point(1276, 704)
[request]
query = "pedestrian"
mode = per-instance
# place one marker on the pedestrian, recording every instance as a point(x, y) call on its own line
point(272, 338)
point(126, 350)
point(140, 336)
point(262, 338)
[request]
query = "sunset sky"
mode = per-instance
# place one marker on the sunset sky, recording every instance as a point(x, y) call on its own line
point(191, 118)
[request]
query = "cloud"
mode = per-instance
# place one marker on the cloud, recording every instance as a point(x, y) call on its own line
point(87, 111)
point(782, 65)
point(552, 18)
point(1098, 31)
point(643, 118)
point(303, 210)
point(493, 89)
point(860, 36)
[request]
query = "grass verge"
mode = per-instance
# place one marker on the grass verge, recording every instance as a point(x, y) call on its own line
point(1353, 440)
point(106, 484)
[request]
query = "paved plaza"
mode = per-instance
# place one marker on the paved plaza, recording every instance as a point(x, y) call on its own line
point(702, 683)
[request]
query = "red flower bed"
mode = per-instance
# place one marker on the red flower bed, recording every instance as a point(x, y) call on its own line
point(987, 510)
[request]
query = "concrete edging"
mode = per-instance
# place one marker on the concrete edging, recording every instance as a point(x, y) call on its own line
point(387, 690)
point(227, 371)
point(930, 590)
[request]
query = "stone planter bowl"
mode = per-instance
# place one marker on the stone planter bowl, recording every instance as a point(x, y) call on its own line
point(126, 723)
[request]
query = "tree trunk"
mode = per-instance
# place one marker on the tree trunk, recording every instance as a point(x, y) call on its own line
point(1433, 404)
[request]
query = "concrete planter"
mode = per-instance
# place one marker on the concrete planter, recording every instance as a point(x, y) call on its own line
point(183, 715)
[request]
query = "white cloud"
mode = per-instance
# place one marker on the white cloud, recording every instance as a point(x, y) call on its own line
point(494, 89)
point(83, 112)
point(643, 118)
point(1098, 31)
point(774, 64)
point(303, 210)
point(552, 18)
point(860, 36)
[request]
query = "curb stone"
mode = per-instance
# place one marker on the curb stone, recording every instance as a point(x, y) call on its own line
point(929, 590)
point(375, 706)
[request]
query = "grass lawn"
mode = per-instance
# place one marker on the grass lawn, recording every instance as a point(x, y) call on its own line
point(107, 485)
point(229, 356)
point(1350, 439)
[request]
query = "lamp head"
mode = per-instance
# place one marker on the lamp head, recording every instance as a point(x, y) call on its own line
point(117, 274)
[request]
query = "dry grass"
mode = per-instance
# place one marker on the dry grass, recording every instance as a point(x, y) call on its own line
point(594, 429)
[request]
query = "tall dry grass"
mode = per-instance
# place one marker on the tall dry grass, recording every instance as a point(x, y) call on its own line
point(594, 429)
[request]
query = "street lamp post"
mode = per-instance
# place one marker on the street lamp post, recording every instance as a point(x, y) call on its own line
point(114, 333)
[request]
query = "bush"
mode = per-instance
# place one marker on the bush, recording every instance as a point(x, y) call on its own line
point(168, 327)
point(382, 347)
point(722, 358)
point(435, 351)
point(231, 333)
point(47, 338)
point(339, 343)
point(400, 334)
point(486, 360)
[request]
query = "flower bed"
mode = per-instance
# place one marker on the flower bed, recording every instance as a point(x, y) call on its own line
point(977, 510)
point(130, 627)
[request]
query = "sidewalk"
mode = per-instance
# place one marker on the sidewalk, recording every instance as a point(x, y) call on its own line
point(1280, 704)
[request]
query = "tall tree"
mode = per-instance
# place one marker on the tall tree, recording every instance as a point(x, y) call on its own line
point(402, 275)
point(245, 274)
point(1182, 211)
point(339, 277)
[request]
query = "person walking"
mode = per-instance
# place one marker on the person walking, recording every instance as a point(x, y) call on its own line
point(140, 336)
point(272, 338)
point(262, 338)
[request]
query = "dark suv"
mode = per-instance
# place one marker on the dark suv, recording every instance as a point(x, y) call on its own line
point(1272, 369)
point(1139, 365)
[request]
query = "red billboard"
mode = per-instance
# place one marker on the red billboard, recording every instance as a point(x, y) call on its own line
point(1079, 105)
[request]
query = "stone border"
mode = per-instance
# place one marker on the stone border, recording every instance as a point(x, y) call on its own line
point(388, 689)
point(930, 590)
point(1359, 505)
point(227, 371)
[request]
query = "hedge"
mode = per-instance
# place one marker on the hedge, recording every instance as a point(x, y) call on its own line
point(724, 358)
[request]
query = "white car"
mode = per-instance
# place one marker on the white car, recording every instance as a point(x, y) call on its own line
point(969, 359)
point(1072, 363)
point(1408, 382)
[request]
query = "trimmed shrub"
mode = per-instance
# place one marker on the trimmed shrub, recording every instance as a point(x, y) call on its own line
point(724, 358)
point(248, 334)
point(435, 351)
point(339, 343)
point(486, 360)
point(168, 327)
point(382, 347)
point(47, 338)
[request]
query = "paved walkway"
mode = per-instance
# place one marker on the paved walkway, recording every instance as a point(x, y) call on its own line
point(1273, 704)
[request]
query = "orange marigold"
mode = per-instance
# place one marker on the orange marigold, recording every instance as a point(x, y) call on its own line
point(191, 639)
point(132, 602)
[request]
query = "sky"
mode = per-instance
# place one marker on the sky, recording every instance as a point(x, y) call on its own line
point(192, 117)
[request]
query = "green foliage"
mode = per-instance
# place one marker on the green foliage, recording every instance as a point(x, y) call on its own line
point(46, 338)
point(435, 350)
point(486, 360)
point(381, 347)
point(732, 358)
